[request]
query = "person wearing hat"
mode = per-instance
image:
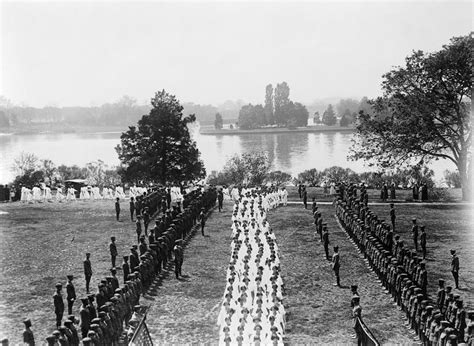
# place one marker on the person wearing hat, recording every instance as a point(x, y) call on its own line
point(470, 329)
point(85, 316)
point(423, 241)
point(117, 208)
point(74, 336)
point(51, 340)
point(70, 294)
point(202, 220)
point(87, 270)
point(326, 241)
point(132, 208)
point(125, 268)
point(455, 268)
point(392, 215)
point(113, 250)
point(336, 265)
point(114, 280)
point(134, 258)
point(414, 232)
point(441, 296)
point(28, 337)
point(460, 324)
point(58, 304)
point(178, 257)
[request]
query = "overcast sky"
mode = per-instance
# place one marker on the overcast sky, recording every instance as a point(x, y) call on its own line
point(85, 53)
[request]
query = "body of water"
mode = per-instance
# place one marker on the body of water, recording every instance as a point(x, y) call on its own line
point(289, 152)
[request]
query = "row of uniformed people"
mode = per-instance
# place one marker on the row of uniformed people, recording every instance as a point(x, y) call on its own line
point(114, 304)
point(252, 311)
point(405, 277)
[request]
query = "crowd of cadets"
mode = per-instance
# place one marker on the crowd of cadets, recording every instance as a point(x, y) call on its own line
point(111, 316)
point(440, 321)
point(252, 310)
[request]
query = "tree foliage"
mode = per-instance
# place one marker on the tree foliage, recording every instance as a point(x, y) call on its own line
point(277, 178)
point(269, 116)
point(329, 117)
point(246, 169)
point(424, 113)
point(160, 148)
point(281, 99)
point(218, 121)
point(311, 177)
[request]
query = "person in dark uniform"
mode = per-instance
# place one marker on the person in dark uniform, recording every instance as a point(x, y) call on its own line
point(113, 250)
point(416, 191)
point(117, 208)
point(220, 199)
point(58, 304)
point(87, 271)
point(300, 189)
point(85, 316)
point(392, 191)
point(336, 265)
point(314, 206)
point(132, 208)
point(70, 294)
point(326, 241)
point(423, 241)
point(455, 268)
point(138, 227)
point(178, 258)
point(202, 220)
point(414, 232)
point(125, 268)
point(392, 215)
point(28, 337)
point(424, 192)
point(305, 198)
point(168, 198)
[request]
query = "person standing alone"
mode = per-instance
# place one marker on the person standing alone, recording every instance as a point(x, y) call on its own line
point(117, 208)
point(113, 250)
point(87, 270)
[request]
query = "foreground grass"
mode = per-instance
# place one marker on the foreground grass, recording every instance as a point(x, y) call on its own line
point(185, 311)
point(320, 313)
point(42, 243)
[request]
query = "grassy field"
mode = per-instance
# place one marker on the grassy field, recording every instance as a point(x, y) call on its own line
point(319, 312)
point(41, 243)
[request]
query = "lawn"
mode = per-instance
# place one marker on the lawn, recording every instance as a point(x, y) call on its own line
point(42, 243)
point(319, 312)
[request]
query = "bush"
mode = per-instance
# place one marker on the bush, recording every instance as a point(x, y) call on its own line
point(440, 194)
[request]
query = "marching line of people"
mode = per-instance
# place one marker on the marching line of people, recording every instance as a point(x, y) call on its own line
point(252, 311)
point(113, 319)
point(435, 322)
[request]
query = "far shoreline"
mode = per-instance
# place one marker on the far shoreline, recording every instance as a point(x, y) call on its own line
point(312, 129)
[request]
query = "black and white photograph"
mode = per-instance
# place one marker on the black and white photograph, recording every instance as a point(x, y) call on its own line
point(217, 172)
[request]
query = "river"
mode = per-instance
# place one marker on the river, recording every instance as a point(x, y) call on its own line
point(289, 152)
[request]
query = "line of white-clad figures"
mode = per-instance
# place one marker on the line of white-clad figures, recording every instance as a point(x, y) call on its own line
point(43, 193)
point(278, 195)
point(252, 311)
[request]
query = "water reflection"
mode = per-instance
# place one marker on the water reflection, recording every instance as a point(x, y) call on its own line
point(289, 152)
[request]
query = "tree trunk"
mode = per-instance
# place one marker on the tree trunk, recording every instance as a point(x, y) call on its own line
point(465, 171)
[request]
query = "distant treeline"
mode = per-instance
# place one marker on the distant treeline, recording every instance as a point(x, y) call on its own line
point(126, 111)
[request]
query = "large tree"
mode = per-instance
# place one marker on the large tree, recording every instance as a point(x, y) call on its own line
point(282, 99)
point(269, 117)
point(160, 148)
point(424, 113)
point(329, 117)
point(218, 121)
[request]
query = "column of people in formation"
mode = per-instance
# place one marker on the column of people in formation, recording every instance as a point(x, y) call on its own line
point(43, 193)
point(252, 311)
point(440, 321)
point(114, 316)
